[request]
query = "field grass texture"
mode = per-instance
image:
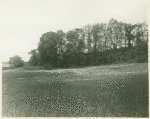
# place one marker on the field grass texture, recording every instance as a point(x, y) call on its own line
point(119, 90)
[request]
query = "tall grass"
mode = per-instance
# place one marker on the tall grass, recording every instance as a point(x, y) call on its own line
point(76, 93)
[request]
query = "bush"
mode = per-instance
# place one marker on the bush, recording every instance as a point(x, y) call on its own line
point(19, 64)
point(141, 52)
point(110, 58)
point(16, 61)
point(48, 66)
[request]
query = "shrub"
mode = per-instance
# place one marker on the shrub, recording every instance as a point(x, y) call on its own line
point(16, 61)
point(48, 66)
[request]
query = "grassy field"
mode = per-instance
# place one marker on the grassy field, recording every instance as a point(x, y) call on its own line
point(99, 91)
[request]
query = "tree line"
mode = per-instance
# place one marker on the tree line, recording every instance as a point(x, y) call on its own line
point(95, 44)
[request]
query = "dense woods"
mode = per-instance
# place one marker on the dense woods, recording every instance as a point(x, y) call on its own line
point(95, 44)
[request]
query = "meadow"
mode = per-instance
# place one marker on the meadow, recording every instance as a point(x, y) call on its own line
point(117, 90)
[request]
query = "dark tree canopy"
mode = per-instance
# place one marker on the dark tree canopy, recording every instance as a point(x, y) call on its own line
point(34, 59)
point(95, 44)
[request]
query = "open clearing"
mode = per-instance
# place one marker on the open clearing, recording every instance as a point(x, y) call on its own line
point(108, 90)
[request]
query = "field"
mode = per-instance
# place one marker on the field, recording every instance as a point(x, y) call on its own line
point(119, 90)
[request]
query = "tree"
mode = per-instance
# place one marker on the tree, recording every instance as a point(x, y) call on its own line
point(108, 35)
point(94, 44)
point(80, 35)
point(16, 61)
point(34, 59)
point(75, 45)
point(128, 33)
point(71, 40)
point(102, 37)
point(118, 33)
point(95, 33)
point(80, 38)
point(141, 33)
point(115, 28)
point(61, 48)
point(141, 37)
point(122, 35)
point(88, 38)
point(48, 48)
point(61, 41)
point(96, 37)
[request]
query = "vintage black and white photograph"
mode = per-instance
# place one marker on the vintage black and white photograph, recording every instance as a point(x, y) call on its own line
point(74, 58)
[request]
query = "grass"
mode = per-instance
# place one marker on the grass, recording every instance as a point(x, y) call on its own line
point(100, 91)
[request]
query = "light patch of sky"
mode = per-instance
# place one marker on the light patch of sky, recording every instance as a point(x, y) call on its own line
point(24, 21)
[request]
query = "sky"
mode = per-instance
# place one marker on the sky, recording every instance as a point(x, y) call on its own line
point(22, 22)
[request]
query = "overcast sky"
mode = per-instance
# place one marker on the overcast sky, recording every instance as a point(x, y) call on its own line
point(22, 22)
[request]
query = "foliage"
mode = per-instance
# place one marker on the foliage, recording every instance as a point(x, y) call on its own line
point(95, 44)
point(16, 61)
point(48, 66)
point(34, 59)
